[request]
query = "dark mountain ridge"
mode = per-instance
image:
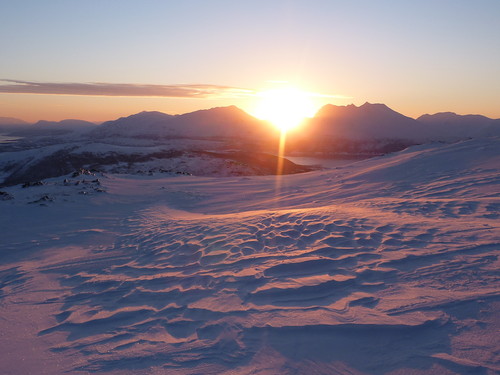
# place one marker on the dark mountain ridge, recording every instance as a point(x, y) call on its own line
point(368, 121)
point(215, 122)
point(65, 124)
point(223, 140)
point(12, 121)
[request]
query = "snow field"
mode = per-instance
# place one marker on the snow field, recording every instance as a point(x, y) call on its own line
point(380, 267)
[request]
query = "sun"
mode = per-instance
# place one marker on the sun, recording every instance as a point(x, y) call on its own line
point(285, 108)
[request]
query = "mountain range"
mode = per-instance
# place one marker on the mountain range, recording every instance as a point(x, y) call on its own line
point(13, 126)
point(367, 122)
point(223, 141)
point(216, 122)
point(11, 121)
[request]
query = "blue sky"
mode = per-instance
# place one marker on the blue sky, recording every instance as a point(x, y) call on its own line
point(415, 56)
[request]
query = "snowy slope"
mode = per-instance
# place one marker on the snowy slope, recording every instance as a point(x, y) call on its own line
point(388, 265)
point(182, 156)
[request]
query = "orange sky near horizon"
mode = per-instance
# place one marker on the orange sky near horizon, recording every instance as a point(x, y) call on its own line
point(415, 57)
point(34, 107)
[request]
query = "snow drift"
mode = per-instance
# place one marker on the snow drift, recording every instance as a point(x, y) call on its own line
point(388, 265)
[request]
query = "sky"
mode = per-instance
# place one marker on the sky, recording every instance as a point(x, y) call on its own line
point(101, 59)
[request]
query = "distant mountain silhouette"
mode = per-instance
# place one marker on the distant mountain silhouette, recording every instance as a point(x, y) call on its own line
point(10, 124)
point(216, 122)
point(368, 127)
point(47, 128)
point(369, 121)
point(12, 121)
point(377, 121)
point(69, 124)
point(462, 126)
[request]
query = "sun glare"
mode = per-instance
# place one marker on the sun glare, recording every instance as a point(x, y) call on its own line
point(285, 108)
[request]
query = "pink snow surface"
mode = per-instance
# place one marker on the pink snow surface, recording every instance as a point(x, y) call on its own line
point(384, 266)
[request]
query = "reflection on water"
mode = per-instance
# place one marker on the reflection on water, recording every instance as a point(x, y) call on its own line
point(322, 162)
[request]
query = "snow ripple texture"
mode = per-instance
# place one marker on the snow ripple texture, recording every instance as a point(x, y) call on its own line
point(210, 293)
point(389, 266)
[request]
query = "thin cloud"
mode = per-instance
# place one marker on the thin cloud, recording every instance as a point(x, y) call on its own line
point(201, 91)
point(196, 91)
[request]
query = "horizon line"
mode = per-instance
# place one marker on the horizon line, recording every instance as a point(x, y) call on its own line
point(233, 105)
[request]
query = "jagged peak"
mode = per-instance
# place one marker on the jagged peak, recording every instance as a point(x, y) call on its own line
point(329, 109)
point(379, 106)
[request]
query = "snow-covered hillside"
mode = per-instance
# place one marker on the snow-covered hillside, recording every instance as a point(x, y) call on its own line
point(185, 156)
point(384, 266)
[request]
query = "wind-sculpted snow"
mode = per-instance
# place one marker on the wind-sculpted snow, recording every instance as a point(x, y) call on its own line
point(317, 274)
point(212, 293)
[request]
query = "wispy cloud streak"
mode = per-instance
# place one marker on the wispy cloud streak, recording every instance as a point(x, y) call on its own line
point(123, 89)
